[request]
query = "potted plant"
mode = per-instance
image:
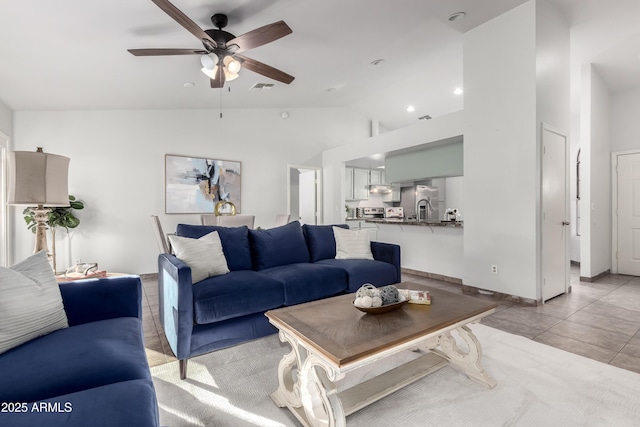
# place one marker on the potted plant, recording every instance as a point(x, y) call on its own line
point(57, 217)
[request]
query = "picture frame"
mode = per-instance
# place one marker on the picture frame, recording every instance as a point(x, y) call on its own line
point(193, 185)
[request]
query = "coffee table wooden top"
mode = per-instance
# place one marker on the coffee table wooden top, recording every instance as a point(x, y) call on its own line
point(342, 333)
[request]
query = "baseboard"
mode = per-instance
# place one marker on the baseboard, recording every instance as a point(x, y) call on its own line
point(524, 302)
point(596, 277)
point(449, 279)
point(149, 276)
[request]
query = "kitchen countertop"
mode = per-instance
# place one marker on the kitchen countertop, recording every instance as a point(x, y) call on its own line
point(457, 224)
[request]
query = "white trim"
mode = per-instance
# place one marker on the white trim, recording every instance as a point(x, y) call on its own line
point(614, 205)
point(545, 127)
point(319, 198)
point(4, 212)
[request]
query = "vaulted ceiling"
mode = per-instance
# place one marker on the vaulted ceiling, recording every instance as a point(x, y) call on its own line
point(70, 55)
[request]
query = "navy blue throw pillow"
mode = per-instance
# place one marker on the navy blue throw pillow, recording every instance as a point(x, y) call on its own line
point(321, 241)
point(278, 246)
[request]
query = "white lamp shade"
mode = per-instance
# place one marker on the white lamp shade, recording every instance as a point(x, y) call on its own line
point(37, 178)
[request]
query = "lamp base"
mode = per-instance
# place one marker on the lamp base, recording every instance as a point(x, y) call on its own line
point(41, 216)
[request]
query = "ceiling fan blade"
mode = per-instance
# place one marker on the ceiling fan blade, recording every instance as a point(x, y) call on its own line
point(218, 82)
point(264, 69)
point(261, 36)
point(183, 20)
point(162, 52)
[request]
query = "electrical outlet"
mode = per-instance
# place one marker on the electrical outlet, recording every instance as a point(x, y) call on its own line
point(494, 269)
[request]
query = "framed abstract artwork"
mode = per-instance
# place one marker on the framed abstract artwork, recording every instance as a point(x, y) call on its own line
point(195, 185)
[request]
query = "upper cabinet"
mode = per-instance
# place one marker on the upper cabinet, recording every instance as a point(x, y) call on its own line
point(375, 177)
point(348, 183)
point(360, 184)
point(356, 183)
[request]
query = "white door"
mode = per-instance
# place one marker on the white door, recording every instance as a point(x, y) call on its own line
point(629, 214)
point(4, 238)
point(555, 214)
point(308, 197)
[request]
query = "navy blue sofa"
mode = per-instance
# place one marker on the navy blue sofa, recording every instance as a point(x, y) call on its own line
point(269, 269)
point(94, 373)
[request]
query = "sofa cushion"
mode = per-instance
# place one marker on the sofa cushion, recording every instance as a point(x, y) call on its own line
point(352, 244)
point(73, 359)
point(30, 302)
point(321, 241)
point(361, 271)
point(204, 255)
point(127, 403)
point(278, 246)
point(307, 282)
point(235, 294)
point(235, 242)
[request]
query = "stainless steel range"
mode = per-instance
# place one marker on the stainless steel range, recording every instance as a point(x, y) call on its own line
point(369, 212)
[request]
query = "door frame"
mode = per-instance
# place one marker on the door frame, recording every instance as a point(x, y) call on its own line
point(614, 206)
point(5, 143)
point(318, 170)
point(545, 127)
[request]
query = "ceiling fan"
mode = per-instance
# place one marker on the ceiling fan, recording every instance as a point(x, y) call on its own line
point(221, 59)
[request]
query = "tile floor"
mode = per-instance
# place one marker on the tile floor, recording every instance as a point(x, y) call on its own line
point(599, 320)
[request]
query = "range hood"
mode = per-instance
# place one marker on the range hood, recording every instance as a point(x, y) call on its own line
point(380, 188)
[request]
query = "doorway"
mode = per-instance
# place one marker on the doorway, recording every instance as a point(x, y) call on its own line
point(304, 194)
point(626, 213)
point(555, 214)
point(4, 238)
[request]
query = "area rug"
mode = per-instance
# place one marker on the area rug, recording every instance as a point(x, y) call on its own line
point(537, 386)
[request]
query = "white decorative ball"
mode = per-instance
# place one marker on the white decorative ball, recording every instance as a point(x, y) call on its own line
point(367, 301)
point(376, 302)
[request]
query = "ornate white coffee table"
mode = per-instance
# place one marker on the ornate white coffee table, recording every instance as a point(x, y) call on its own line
point(330, 339)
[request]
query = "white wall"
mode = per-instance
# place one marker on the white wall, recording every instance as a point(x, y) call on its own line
point(117, 168)
point(500, 151)
point(625, 120)
point(6, 119)
point(595, 241)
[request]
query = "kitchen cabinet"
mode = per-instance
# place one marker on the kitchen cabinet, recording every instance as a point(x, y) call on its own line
point(360, 184)
point(375, 177)
point(394, 195)
point(348, 183)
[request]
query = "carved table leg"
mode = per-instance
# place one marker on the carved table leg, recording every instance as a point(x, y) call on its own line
point(470, 362)
point(288, 392)
point(312, 396)
point(322, 405)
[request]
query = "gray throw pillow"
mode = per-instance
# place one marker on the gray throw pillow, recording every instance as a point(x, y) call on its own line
point(30, 302)
point(352, 244)
point(204, 255)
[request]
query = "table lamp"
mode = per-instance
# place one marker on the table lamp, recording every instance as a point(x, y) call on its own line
point(38, 179)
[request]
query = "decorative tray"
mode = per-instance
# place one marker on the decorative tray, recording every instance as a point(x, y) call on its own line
point(381, 309)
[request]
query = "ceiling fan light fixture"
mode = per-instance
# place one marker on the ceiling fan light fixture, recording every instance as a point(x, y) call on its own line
point(228, 76)
point(210, 73)
point(231, 64)
point(208, 62)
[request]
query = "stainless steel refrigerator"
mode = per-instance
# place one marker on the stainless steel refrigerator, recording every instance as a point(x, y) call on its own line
point(427, 203)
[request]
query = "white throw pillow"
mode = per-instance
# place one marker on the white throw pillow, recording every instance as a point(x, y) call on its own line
point(352, 244)
point(30, 302)
point(203, 255)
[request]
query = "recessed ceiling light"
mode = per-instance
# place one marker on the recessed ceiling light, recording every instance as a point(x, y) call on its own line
point(456, 16)
point(189, 84)
point(377, 62)
point(458, 91)
point(411, 108)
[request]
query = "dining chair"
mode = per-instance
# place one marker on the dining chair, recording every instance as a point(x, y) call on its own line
point(282, 219)
point(228, 220)
point(161, 238)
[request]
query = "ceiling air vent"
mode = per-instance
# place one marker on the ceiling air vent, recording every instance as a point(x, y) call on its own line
point(426, 117)
point(262, 86)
